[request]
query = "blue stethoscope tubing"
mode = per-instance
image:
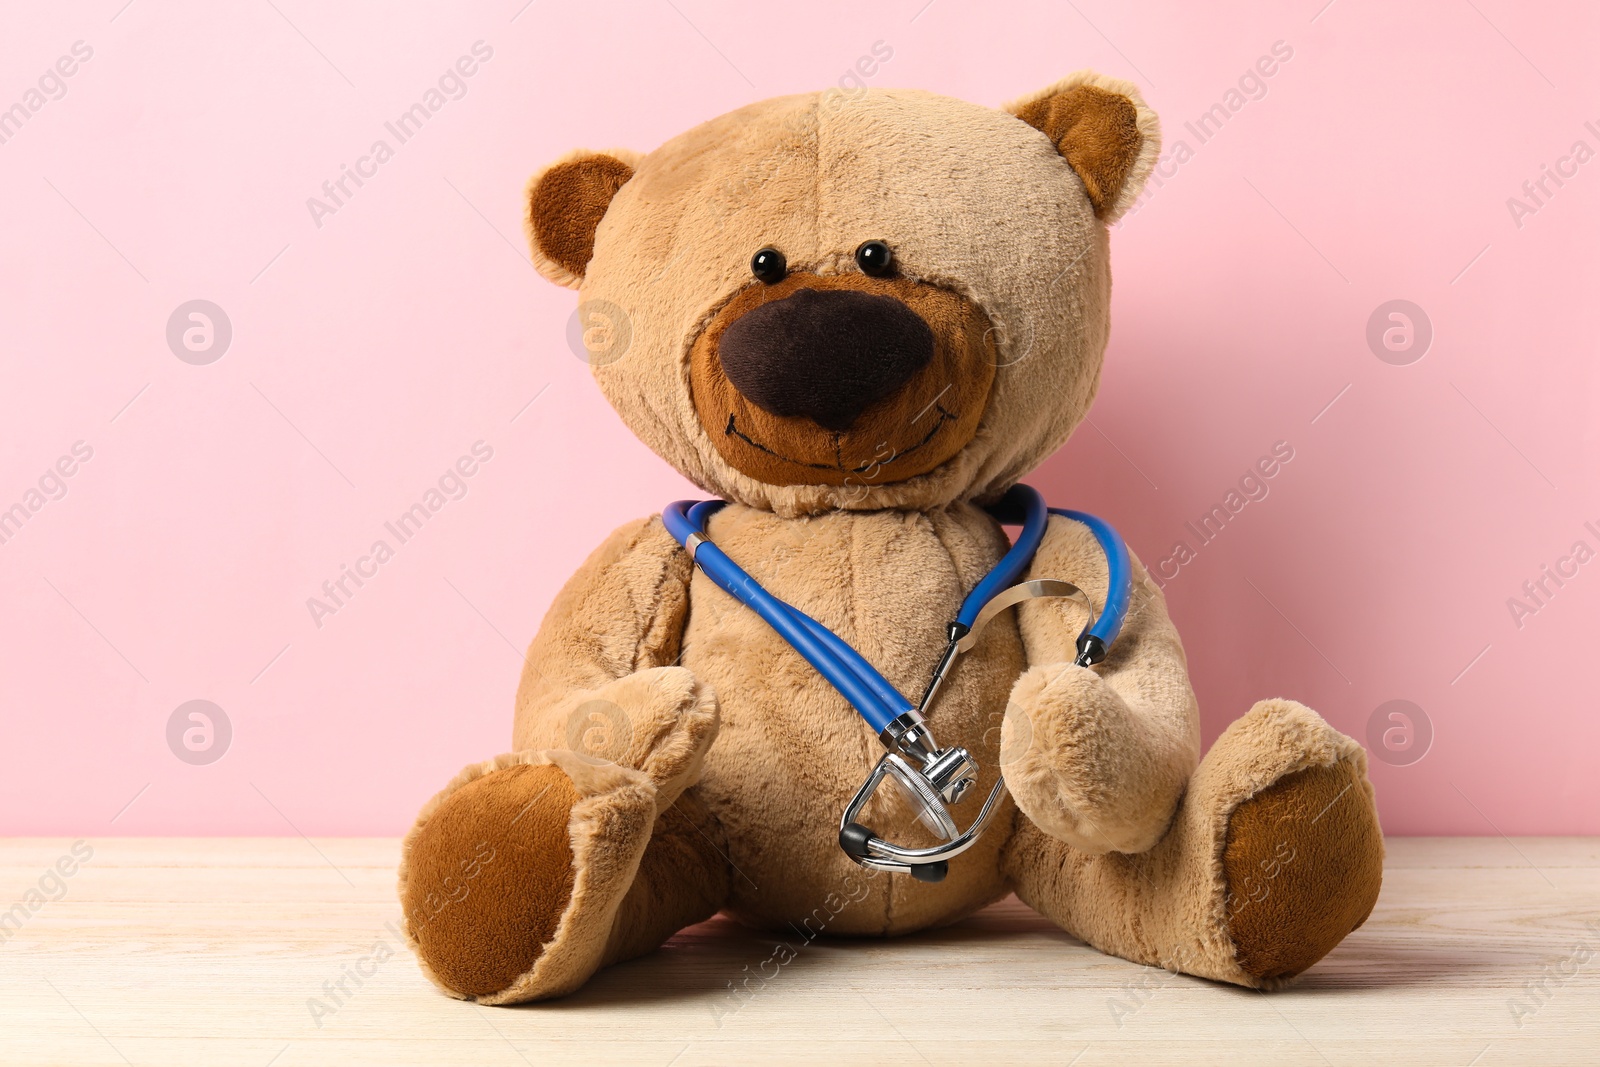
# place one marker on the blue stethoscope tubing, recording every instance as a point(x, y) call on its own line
point(858, 681)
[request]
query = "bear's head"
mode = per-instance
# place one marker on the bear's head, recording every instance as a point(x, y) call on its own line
point(877, 299)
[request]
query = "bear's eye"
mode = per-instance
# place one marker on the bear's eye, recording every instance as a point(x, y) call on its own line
point(769, 266)
point(874, 258)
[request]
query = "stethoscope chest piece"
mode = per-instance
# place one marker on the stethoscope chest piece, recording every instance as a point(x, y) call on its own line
point(924, 864)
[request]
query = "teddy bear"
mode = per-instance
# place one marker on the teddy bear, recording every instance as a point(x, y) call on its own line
point(860, 319)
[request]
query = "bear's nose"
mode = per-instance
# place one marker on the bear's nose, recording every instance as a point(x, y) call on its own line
point(825, 354)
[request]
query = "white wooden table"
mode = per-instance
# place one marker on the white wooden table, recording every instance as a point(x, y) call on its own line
point(230, 951)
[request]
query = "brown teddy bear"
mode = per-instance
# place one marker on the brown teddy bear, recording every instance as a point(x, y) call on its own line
point(861, 318)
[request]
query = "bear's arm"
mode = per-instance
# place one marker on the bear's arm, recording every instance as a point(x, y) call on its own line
point(1099, 757)
point(601, 677)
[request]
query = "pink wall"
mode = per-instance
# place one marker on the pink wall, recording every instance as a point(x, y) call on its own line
point(369, 352)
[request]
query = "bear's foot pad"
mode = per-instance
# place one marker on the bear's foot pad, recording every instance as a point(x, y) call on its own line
point(1303, 863)
point(490, 875)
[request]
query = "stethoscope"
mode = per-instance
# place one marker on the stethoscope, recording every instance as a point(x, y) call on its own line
point(935, 777)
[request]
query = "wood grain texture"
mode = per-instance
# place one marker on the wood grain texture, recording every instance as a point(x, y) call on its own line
point(175, 951)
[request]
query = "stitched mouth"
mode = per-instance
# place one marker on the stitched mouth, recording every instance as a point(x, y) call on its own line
point(876, 463)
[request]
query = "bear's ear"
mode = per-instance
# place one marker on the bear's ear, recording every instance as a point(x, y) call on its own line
point(566, 202)
point(1104, 129)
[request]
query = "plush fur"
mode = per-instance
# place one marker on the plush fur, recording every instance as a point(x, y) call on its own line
point(673, 757)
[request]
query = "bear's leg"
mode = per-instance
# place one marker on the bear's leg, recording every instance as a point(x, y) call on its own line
point(533, 871)
point(1273, 857)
